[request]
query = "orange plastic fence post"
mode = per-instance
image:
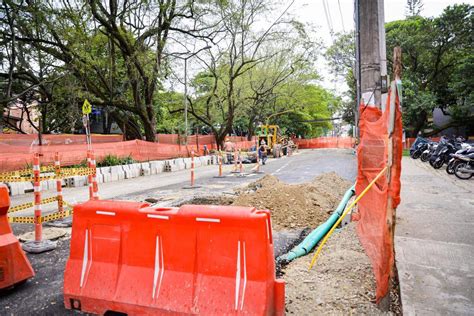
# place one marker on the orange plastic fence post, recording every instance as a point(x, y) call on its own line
point(59, 187)
point(95, 187)
point(192, 168)
point(240, 162)
point(37, 194)
point(219, 157)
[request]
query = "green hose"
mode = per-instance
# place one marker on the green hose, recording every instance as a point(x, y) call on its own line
point(316, 235)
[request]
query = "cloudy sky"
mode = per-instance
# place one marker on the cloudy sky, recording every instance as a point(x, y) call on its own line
point(341, 17)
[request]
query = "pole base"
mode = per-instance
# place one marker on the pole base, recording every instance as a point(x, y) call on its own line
point(219, 176)
point(39, 246)
point(189, 187)
point(258, 172)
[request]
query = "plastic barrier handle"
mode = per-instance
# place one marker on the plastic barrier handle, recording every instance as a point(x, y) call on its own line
point(316, 254)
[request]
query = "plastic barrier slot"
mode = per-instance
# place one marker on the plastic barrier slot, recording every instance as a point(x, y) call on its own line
point(211, 260)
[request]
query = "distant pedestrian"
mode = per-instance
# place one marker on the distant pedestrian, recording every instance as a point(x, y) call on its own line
point(262, 151)
point(229, 148)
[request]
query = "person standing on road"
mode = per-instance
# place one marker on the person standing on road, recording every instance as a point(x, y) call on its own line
point(229, 149)
point(262, 151)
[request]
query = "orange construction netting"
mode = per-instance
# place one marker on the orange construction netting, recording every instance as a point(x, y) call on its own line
point(19, 157)
point(373, 153)
point(325, 142)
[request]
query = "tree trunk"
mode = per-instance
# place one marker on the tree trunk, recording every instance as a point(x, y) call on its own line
point(251, 130)
point(149, 126)
point(419, 123)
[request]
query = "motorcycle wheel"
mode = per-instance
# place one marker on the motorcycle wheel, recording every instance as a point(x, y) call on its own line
point(462, 175)
point(431, 161)
point(424, 157)
point(438, 163)
point(416, 154)
point(451, 166)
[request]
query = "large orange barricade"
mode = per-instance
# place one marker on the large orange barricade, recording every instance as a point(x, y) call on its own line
point(14, 266)
point(131, 258)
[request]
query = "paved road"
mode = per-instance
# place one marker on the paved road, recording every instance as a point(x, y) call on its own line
point(434, 241)
point(42, 295)
point(301, 167)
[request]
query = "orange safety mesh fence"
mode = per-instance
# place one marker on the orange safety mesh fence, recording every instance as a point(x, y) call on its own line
point(18, 157)
point(410, 140)
point(325, 142)
point(63, 139)
point(373, 155)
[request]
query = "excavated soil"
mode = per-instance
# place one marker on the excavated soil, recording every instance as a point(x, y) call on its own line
point(295, 205)
point(341, 282)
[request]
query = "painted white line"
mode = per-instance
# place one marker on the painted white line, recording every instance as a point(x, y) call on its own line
point(210, 220)
point(237, 277)
point(282, 167)
point(157, 216)
point(85, 258)
point(105, 213)
point(245, 279)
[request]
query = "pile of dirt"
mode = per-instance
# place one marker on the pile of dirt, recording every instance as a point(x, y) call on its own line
point(341, 282)
point(298, 205)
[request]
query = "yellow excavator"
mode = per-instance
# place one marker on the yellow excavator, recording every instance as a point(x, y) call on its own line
point(277, 144)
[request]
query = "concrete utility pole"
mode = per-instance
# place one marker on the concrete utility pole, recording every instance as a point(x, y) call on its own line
point(373, 63)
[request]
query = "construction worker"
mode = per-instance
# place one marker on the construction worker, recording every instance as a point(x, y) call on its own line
point(229, 149)
point(262, 151)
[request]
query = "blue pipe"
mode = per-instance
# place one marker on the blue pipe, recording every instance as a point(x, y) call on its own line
point(316, 235)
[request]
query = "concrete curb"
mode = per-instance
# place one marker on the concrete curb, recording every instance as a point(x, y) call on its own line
point(118, 173)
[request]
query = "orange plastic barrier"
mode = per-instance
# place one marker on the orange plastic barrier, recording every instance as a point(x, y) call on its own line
point(212, 260)
point(14, 266)
point(373, 154)
point(325, 142)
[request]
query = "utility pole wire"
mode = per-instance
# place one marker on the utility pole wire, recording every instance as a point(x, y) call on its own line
point(340, 13)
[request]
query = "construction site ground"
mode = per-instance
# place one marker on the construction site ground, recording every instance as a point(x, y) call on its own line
point(301, 191)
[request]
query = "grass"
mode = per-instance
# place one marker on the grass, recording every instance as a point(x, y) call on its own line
point(406, 152)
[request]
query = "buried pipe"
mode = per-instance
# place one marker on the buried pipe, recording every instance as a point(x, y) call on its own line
point(316, 235)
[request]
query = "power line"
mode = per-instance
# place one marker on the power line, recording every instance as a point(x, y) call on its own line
point(340, 13)
point(328, 21)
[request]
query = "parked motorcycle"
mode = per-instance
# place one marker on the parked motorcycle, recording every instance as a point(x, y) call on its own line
point(425, 156)
point(454, 161)
point(465, 169)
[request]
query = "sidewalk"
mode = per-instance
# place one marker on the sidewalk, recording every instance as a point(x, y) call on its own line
point(434, 241)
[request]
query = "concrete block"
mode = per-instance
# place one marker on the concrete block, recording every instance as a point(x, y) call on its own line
point(145, 169)
point(27, 187)
point(186, 162)
point(157, 166)
point(106, 177)
point(117, 173)
point(103, 170)
point(15, 188)
point(178, 164)
point(78, 181)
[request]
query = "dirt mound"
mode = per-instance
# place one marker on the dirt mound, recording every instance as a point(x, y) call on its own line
point(299, 205)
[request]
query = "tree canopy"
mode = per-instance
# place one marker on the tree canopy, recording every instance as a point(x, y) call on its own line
point(437, 55)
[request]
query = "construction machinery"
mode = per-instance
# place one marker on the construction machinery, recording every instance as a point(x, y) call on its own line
point(277, 144)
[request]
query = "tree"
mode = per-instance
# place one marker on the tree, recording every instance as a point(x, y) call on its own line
point(115, 50)
point(437, 55)
point(413, 7)
point(228, 87)
point(435, 49)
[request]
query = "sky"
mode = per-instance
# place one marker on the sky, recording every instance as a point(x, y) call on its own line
point(312, 11)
